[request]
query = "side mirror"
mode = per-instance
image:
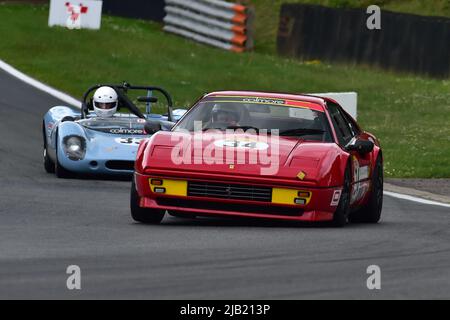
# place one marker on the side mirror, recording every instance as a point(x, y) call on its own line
point(147, 99)
point(152, 126)
point(361, 146)
point(167, 125)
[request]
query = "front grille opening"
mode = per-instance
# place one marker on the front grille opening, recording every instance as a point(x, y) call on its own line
point(238, 207)
point(120, 165)
point(229, 191)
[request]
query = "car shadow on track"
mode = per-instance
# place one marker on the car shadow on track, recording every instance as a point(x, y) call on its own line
point(254, 223)
point(97, 177)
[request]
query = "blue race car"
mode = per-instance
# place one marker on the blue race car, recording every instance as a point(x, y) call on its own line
point(85, 142)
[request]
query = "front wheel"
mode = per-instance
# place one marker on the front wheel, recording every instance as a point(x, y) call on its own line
point(371, 212)
point(49, 165)
point(143, 215)
point(62, 172)
point(340, 217)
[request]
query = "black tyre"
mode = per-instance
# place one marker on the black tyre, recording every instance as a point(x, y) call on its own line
point(341, 215)
point(60, 171)
point(143, 215)
point(371, 212)
point(49, 165)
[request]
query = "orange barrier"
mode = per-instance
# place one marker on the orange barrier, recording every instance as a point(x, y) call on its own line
point(219, 23)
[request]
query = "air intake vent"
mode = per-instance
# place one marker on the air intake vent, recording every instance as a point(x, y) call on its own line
point(120, 165)
point(229, 191)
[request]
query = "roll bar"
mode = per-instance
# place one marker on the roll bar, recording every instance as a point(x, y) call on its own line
point(122, 90)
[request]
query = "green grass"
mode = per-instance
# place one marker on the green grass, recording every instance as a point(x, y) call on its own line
point(267, 13)
point(410, 115)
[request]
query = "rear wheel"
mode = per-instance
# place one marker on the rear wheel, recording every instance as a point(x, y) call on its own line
point(341, 215)
point(371, 212)
point(143, 215)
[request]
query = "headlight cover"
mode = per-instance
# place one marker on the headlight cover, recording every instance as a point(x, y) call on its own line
point(74, 147)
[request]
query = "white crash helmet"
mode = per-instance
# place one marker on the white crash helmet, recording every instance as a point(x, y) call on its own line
point(105, 102)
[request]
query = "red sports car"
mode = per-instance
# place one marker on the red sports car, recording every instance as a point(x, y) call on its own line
point(260, 155)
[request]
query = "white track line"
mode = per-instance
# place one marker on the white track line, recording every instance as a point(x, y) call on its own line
point(415, 199)
point(72, 101)
point(39, 85)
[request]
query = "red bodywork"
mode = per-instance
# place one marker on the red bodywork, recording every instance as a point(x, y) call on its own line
point(323, 166)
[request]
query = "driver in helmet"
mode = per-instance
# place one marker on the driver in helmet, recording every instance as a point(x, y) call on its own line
point(105, 102)
point(225, 114)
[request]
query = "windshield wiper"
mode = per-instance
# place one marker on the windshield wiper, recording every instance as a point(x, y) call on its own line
point(206, 129)
point(301, 132)
point(233, 128)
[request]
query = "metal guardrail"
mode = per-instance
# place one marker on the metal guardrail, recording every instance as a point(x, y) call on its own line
point(217, 23)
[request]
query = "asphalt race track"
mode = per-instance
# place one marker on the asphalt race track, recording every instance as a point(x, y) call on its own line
point(47, 224)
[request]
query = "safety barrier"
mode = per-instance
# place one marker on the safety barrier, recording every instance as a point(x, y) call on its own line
point(218, 23)
point(137, 9)
point(407, 43)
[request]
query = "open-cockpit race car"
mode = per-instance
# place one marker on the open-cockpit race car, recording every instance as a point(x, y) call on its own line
point(100, 139)
point(260, 155)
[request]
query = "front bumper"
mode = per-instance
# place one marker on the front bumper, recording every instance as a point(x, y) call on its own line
point(320, 206)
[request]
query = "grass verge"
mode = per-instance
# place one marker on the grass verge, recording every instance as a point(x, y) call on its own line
point(409, 114)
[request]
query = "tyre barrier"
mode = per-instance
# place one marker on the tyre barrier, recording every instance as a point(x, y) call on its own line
point(217, 23)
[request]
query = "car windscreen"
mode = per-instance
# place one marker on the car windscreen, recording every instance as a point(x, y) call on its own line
point(290, 118)
point(124, 126)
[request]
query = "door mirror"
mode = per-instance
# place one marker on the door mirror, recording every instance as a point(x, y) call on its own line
point(361, 146)
point(167, 125)
point(152, 126)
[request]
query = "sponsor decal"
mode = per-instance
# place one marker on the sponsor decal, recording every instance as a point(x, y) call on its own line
point(359, 172)
point(267, 101)
point(301, 175)
point(360, 188)
point(263, 101)
point(242, 144)
point(219, 148)
point(50, 127)
point(336, 197)
point(355, 169)
point(129, 141)
point(127, 131)
point(364, 173)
